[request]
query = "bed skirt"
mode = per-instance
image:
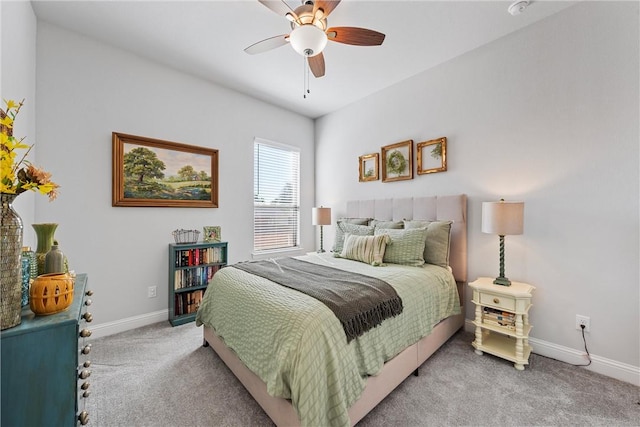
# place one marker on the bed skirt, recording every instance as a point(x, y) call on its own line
point(377, 387)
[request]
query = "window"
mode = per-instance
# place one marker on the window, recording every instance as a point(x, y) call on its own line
point(276, 200)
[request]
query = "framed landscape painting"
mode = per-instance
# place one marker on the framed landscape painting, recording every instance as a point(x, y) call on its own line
point(397, 161)
point(151, 172)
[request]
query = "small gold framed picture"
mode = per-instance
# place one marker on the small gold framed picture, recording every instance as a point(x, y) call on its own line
point(369, 167)
point(397, 161)
point(432, 156)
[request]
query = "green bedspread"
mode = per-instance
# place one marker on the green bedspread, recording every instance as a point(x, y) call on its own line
point(297, 346)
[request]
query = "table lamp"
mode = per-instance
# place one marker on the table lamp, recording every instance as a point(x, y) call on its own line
point(321, 216)
point(502, 218)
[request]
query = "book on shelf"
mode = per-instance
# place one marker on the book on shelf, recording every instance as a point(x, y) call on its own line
point(502, 324)
point(199, 256)
point(188, 303)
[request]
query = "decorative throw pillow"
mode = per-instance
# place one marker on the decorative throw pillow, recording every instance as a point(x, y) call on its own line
point(406, 246)
point(358, 221)
point(369, 249)
point(436, 249)
point(345, 227)
point(387, 224)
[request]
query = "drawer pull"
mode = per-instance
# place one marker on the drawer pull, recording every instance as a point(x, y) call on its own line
point(86, 349)
point(86, 364)
point(87, 316)
point(88, 302)
point(89, 293)
point(85, 385)
point(83, 417)
point(85, 333)
point(496, 301)
point(86, 394)
point(84, 374)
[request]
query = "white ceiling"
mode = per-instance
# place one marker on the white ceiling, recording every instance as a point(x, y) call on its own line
point(207, 38)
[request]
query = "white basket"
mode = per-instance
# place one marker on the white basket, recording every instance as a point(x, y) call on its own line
point(184, 237)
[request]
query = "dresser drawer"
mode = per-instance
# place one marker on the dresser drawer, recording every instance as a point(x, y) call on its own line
point(498, 301)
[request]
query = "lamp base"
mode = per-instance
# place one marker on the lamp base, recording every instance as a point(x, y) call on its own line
point(502, 281)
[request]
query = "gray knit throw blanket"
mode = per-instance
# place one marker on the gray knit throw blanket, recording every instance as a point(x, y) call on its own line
point(360, 302)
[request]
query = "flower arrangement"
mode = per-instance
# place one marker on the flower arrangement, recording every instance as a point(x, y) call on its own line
point(18, 176)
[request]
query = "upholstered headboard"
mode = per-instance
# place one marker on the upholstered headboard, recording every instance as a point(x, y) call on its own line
point(434, 208)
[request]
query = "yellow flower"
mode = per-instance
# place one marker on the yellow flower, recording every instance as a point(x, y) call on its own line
point(19, 176)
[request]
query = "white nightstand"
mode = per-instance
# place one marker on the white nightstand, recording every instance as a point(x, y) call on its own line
point(502, 320)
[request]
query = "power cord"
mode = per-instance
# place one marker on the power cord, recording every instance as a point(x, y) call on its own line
point(582, 327)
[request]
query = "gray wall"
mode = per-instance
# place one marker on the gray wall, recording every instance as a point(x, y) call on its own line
point(547, 115)
point(85, 91)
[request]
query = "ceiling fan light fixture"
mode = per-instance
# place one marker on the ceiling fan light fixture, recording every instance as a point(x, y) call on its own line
point(308, 40)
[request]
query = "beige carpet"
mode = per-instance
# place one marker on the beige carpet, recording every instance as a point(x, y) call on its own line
point(162, 376)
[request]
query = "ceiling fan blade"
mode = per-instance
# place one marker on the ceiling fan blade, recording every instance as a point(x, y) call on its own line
point(316, 63)
point(278, 6)
point(326, 5)
point(355, 36)
point(268, 44)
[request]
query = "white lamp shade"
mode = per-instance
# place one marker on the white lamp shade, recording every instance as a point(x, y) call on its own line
point(308, 40)
point(321, 216)
point(503, 218)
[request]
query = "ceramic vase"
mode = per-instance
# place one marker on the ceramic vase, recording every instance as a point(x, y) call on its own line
point(44, 234)
point(10, 264)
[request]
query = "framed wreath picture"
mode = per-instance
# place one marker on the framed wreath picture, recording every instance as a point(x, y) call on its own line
point(369, 167)
point(212, 234)
point(397, 161)
point(432, 156)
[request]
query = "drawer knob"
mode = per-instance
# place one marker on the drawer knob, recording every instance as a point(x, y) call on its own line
point(84, 374)
point(88, 302)
point(86, 364)
point(86, 349)
point(87, 316)
point(85, 333)
point(496, 301)
point(85, 385)
point(86, 394)
point(89, 293)
point(83, 417)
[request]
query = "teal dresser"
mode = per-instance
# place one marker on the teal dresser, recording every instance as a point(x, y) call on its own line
point(45, 366)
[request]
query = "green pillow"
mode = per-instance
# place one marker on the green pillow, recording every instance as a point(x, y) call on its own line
point(406, 246)
point(345, 227)
point(436, 249)
point(369, 249)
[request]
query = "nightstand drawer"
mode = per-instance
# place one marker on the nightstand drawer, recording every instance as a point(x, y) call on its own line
point(498, 301)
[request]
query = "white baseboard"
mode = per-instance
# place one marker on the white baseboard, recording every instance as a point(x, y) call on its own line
point(611, 368)
point(110, 328)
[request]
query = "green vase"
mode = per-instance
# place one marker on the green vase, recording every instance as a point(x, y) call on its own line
point(44, 233)
point(10, 264)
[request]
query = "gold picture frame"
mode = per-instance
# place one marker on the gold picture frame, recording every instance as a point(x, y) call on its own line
point(154, 173)
point(397, 161)
point(212, 234)
point(368, 167)
point(432, 156)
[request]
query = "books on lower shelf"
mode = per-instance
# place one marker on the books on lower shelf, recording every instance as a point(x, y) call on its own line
point(189, 302)
point(495, 317)
point(199, 276)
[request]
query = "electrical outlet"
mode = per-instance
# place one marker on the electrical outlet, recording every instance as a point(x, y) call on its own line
point(583, 320)
point(151, 292)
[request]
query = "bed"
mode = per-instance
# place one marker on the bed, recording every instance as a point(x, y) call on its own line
point(297, 364)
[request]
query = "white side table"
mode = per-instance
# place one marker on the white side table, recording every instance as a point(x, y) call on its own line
point(502, 320)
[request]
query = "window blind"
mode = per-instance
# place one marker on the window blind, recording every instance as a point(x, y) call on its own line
point(276, 203)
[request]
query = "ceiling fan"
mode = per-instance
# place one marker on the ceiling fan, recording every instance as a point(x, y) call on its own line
point(309, 32)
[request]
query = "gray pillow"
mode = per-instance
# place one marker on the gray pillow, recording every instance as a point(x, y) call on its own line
point(358, 221)
point(387, 224)
point(346, 227)
point(436, 248)
point(406, 246)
